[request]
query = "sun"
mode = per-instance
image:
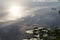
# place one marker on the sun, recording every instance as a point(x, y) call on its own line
point(15, 12)
point(14, 9)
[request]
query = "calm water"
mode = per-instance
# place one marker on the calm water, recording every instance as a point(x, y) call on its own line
point(17, 16)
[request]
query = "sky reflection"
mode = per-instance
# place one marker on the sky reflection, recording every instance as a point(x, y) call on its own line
point(15, 9)
point(27, 14)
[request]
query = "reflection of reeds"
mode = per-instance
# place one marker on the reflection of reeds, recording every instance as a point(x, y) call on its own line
point(46, 33)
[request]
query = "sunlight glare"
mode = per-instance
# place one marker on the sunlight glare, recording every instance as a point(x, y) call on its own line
point(15, 11)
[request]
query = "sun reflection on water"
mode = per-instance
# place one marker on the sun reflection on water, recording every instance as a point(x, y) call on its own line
point(15, 11)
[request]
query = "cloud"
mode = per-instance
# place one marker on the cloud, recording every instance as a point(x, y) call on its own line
point(6, 23)
point(44, 0)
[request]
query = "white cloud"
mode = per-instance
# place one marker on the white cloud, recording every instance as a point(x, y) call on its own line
point(45, 0)
point(51, 0)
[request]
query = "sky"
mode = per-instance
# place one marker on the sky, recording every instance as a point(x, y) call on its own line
point(45, 0)
point(4, 4)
